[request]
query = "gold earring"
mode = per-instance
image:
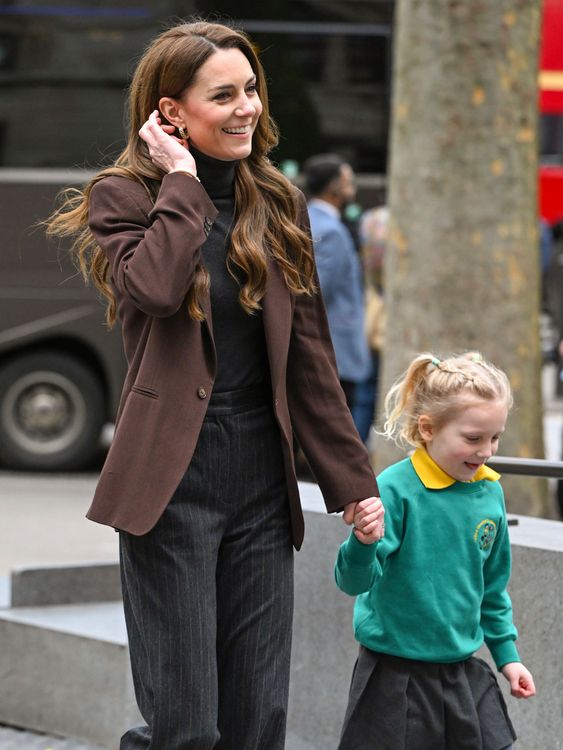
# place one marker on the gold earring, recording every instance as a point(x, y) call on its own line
point(183, 132)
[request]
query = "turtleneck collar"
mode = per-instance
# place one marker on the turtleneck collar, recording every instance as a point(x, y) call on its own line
point(217, 177)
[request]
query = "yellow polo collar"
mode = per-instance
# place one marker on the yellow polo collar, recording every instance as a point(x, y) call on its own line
point(435, 478)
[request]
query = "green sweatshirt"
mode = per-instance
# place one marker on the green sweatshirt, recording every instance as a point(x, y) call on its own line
point(435, 586)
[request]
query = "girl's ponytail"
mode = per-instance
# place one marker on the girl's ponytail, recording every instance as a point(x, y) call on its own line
point(398, 402)
point(440, 389)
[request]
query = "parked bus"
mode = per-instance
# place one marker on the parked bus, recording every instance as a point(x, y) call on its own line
point(64, 68)
point(60, 370)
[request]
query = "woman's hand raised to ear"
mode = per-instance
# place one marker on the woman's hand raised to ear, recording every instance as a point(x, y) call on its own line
point(167, 152)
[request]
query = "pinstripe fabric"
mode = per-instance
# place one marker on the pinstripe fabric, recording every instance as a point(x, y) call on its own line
point(208, 594)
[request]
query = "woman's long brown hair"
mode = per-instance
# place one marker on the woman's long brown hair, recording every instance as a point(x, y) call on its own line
point(266, 203)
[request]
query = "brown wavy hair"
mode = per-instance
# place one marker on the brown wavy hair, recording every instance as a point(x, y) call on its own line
point(266, 204)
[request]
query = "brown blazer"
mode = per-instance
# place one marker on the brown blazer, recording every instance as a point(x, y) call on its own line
point(153, 250)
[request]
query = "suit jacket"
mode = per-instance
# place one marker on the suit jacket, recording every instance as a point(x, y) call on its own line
point(153, 250)
point(340, 275)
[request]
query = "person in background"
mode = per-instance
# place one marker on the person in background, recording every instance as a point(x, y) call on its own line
point(203, 251)
point(431, 583)
point(329, 184)
point(546, 261)
point(373, 230)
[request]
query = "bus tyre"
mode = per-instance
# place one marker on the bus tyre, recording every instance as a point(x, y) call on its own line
point(52, 410)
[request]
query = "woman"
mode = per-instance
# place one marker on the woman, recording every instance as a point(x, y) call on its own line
point(203, 251)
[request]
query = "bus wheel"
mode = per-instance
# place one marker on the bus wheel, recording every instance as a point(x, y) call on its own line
point(52, 411)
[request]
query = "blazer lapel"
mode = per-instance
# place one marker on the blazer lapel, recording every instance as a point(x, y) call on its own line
point(206, 307)
point(277, 311)
point(207, 325)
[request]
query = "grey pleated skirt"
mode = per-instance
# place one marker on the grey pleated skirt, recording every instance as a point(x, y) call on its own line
point(402, 704)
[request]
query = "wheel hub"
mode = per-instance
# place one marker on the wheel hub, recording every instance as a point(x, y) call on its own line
point(43, 410)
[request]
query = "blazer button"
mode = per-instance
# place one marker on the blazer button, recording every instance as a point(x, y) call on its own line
point(201, 392)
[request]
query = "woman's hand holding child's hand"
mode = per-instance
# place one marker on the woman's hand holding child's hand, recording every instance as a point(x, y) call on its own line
point(167, 152)
point(369, 525)
point(520, 679)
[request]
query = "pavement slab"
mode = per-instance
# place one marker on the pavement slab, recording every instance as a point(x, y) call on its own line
point(16, 739)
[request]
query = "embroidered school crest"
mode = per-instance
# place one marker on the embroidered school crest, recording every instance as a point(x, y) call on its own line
point(485, 533)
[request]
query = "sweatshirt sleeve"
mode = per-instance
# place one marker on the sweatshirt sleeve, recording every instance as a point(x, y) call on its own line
point(496, 608)
point(359, 565)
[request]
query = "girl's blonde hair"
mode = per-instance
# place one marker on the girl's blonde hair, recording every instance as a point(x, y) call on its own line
point(440, 389)
point(266, 203)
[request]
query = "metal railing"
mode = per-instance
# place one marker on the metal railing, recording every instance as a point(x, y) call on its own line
point(532, 467)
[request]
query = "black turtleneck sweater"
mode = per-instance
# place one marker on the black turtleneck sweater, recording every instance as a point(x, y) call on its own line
point(240, 344)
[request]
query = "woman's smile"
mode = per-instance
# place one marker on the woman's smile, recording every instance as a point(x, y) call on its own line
point(221, 108)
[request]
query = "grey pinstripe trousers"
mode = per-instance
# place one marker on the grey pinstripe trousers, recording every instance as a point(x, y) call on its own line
point(208, 593)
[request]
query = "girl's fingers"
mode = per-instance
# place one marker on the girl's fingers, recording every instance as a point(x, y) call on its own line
point(368, 522)
point(369, 516)
point(370, 510)
point(367, 535)
point(370, 527)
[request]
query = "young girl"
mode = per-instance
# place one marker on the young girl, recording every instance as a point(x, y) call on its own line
point(434, 588)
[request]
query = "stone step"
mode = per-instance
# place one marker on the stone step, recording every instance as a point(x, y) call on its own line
point(65, 671)
point(20, 739)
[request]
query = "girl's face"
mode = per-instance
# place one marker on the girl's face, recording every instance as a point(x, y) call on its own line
point(221, 108)
point(463, 444)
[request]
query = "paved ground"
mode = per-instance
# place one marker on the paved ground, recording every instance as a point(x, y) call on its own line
point(12, 739)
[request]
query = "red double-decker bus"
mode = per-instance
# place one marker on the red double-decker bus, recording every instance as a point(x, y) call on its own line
point(551, 110)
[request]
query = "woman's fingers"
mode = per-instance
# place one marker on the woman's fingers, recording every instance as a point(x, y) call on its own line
point(165, 149)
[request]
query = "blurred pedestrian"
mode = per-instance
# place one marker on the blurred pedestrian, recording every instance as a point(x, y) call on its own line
point(330, 185)
point(373, 229)
point(431, 581)
point(203, 251)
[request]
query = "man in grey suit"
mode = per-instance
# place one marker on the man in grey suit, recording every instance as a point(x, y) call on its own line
point(330, 185)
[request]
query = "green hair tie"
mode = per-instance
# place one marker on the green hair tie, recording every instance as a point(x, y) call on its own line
point(436, 362)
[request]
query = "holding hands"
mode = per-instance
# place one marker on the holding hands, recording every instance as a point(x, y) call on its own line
point(520, 679)
point(169, 153)
point(367, 518)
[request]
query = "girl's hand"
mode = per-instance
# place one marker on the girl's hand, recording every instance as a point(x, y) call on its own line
point(166, 151)
point(369, 526)
point(520, 679)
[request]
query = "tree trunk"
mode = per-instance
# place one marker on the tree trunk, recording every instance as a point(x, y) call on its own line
point(462, 265)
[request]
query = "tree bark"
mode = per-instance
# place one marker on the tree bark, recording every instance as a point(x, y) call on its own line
point(462, 266)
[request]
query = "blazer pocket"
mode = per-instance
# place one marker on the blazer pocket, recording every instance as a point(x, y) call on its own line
point(143, 391)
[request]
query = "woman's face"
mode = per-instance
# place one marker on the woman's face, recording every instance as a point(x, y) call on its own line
point(221, 108)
